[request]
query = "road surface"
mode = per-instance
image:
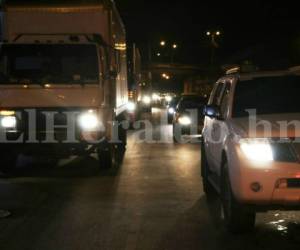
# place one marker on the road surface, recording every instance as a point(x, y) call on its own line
point(154, 200)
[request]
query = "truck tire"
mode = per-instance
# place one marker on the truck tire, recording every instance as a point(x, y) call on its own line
point(123, 138)
point(237, 219)
point(207, 186)
point(107, 156)
point(8, 162)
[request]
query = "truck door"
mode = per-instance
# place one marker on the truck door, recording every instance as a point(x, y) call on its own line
point(219, 127)
point(210, 135)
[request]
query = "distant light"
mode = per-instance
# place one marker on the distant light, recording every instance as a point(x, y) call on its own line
point(158, 54)
point(9, 122)
point(169, 98)
point(47, 85)
point(163, 43)
point(155, 97)
point(175, 46)
point(208, 33)
point(171, 111)
point(167, 77)
point(131, 106)
point(218, 33)
point(146, 100)
point(164, 75)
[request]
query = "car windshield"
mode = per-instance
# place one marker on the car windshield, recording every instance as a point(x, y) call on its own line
point(40, 63)
point(174, 102)
point(192, 103)
point(268, 95)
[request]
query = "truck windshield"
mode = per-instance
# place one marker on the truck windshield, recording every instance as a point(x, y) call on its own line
point(267, 95)
point(49, 63)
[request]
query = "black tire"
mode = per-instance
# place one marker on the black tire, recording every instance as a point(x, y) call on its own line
point(237, 219)
point(207, 186)
point(108, 156)
point(123, 138)
point(8, 162)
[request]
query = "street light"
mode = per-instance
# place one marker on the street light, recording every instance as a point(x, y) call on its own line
point(163, 43)
point(175, 46)
point(165, 76)
point(214, 44)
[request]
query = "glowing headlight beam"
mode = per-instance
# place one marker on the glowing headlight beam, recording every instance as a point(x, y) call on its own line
point(185, 120)
point(260, 151)
point(89, 121)
point(9, 122)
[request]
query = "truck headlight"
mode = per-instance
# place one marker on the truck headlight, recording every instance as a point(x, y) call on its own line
point(185, 120)
point(257, 150)
point(89, 121)
point(8, 122)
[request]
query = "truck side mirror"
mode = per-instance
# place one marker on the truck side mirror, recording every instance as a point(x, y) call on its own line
point(212, 111)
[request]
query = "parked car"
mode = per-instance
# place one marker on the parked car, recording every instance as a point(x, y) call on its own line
point(188, 116)
point(253, 161)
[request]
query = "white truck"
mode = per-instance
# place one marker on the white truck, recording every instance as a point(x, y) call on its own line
point(63, 79)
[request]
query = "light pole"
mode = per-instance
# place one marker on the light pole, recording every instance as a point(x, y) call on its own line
point(214, 45)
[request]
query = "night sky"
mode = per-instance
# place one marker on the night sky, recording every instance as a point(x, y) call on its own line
point(248, 28)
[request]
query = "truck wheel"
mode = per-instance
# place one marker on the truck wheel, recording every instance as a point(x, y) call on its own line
point(107, 156)
point(8, 162)
point(123, 138)
point(237, 219)
point(207, 187)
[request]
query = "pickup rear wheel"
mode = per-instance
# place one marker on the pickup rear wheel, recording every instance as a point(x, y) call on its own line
point(237, 219)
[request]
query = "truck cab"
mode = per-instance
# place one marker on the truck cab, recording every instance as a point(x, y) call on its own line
point(63, 79)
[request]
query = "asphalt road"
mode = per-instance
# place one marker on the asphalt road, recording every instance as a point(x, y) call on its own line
point(154, 200)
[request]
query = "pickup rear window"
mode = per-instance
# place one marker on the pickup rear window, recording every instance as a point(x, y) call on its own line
point(267, 95)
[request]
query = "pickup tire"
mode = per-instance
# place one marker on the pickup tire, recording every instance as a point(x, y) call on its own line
point(207, 187)
point(237, 219)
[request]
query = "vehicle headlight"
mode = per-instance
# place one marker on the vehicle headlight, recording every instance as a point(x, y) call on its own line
point(171, 111)
point(146, 100)
point(257, 150)
point(89, 121)
point(131, 106)
point(9, 122)
point(185, 120)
